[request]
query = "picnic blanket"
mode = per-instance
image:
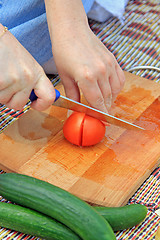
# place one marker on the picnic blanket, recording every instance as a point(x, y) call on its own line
point(134, 43)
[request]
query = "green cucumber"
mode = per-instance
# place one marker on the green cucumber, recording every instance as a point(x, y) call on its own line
point(57, 203)
point(125, 217)
point(30, 222)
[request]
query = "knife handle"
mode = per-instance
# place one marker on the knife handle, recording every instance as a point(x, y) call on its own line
point(33, 96)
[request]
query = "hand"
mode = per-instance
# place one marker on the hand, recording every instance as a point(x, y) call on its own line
point(20, 73)
point(83, 62)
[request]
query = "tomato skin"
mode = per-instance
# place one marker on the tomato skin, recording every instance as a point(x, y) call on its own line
point(72, 128)
point(83, 130)
point(93, 131)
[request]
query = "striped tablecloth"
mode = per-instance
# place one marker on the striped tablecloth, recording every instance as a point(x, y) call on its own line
point(136, 43)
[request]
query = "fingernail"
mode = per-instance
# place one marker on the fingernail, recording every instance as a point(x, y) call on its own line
point(106, 124)
point(109, 102)
point(114, 99)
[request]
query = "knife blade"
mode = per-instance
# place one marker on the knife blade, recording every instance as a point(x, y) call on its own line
point(64, 102)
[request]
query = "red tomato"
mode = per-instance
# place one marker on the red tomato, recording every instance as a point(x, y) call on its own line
point(83, 130)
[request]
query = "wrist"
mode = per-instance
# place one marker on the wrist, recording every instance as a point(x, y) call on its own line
point(3, 30)
point(69, 29)
point(1, 27)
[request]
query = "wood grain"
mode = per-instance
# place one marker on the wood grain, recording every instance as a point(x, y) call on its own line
point(157, 237)
point(105, 174)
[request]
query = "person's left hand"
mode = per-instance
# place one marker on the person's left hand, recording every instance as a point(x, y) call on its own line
point(83, 62)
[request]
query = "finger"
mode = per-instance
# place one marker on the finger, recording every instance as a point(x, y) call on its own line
point(71, 88)
point(9, 96)
point(104, 84)
point(5, 84)
point(105, 88)
point(17, 101)
point(94, 96)
point(120, 75)
point(45, 92)
point(115, 84)
point(6, 95)
point(88, 83)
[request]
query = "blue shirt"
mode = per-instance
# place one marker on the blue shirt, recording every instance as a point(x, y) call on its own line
point(26, 20)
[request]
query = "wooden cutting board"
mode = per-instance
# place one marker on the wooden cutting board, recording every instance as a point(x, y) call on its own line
point(105, 174)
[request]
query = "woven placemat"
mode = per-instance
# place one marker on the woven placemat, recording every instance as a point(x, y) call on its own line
point(135, 43)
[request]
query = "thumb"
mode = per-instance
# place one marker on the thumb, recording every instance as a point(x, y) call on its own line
point(45, 93)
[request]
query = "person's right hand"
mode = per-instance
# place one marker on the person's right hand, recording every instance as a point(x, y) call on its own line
point(19, 74)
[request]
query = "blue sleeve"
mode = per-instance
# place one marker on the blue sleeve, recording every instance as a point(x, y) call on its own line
point(26, 20)
point(87, 5)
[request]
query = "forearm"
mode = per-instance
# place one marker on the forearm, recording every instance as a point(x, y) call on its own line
point(1, 27)
point(65, 14)
point(82, 61)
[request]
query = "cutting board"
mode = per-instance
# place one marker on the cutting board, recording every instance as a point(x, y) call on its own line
point(106, 174)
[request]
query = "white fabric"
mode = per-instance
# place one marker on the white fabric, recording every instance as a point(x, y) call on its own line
point(103, 9)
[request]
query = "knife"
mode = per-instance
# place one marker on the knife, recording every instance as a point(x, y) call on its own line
point(64, 102)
